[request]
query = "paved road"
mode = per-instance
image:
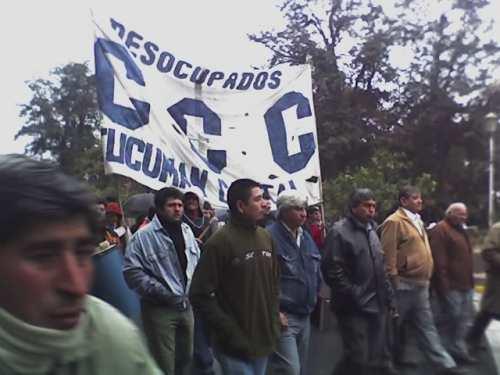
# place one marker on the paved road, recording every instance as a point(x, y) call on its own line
point(326, 350)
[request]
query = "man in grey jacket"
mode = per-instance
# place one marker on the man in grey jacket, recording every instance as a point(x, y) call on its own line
point(159, 263)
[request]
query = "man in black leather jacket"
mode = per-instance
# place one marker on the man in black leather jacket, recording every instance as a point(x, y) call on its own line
point(353, 266)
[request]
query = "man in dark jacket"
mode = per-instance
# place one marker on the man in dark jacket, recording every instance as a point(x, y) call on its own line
point(452, 280)
point(299, 261)
point(353, 266)
point(235, 285)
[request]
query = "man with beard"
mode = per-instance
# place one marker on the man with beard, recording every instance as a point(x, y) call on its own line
point(159, 263)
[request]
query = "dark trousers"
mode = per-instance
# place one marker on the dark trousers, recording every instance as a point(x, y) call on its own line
point(481, 322)
point(364, 343)
point(169, 333)
point(203, 355)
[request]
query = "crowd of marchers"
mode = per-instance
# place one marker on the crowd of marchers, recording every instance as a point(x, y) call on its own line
point(238, 290)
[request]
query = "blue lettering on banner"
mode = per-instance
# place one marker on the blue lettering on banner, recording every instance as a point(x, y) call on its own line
point(150, 48)
point(110, 156)
point(276, 130)
point(131, 41)
point(105, 77)
point(168, 169)
point(137, 155)
point(178, 67)
point(222, 190)
point(184, 180)
point(216, 159)
point(117, 26)
point(146, 169)
point(149, 54)
point(199, 179)
point(129, 151)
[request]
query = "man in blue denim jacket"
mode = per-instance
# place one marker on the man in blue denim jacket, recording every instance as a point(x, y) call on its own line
point(159, 263)
point(300, 280)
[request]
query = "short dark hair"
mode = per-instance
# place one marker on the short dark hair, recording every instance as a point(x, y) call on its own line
point(359, 196)
point(33, 191)
point(240, 190)
point(312, 209)
point(166, 193)
point(266, 195)
point(407, 191)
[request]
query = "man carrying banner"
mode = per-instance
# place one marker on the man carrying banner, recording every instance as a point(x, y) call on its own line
point(159, 262)
point(235, 286)
point(48, 323)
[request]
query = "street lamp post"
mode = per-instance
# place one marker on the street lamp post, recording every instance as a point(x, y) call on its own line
point(491, 122)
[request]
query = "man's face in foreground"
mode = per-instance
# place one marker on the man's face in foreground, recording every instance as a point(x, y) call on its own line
point(46, 273)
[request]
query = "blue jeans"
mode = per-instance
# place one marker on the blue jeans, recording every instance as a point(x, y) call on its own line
point(203, 356)
point(414, 306)
point(237, 366)
point(290, 357)
point(457, 310)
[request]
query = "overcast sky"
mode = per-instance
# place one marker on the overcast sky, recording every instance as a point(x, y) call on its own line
point(38, 36)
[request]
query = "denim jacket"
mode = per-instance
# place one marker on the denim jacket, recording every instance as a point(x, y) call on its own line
point(151, 266)
point(300, 277)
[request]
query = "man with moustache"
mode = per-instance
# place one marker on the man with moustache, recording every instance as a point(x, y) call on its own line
point(353, 266)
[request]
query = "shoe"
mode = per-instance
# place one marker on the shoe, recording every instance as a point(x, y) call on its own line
point(389, 370)
point(453, 371)
point(475, 346)
point(464, 358)
point(406, 363)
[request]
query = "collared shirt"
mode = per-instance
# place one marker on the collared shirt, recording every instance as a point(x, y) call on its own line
point(415, 219)
point(298, 237)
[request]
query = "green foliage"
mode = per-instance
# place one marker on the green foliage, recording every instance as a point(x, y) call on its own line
point(431, 111)
point(384, 174)
point(349, 88)
point(63, 120)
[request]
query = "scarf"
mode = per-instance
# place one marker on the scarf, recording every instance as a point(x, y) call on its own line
point(28, 349)
point(174, 230)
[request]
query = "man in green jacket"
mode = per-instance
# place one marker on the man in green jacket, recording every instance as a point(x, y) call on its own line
point(48, 323)
point(235, 285)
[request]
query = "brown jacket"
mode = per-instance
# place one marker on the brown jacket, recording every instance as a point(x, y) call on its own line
point(452, 255)
point(491, 256)
point(407, 252)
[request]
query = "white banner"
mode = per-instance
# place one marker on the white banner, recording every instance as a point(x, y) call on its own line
point(169, 121)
